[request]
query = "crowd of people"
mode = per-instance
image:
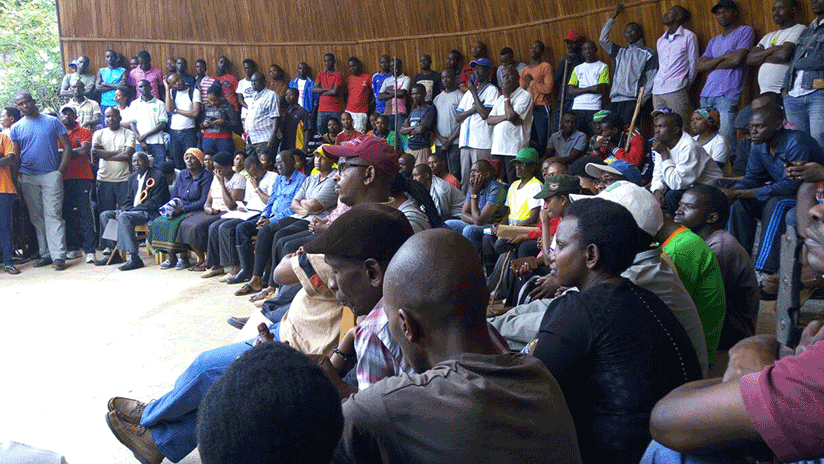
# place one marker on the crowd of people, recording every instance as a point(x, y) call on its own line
point(531, 285)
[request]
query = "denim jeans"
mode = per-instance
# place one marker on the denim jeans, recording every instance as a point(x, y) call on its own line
point(659, 454)
point(79, 229)
point(6, 248)
point(472, 232)
point(172, 418)
point(180, 141)
point(728, 109)
point(218, 145)
point(540, 128)
point(158, 152)
point(807, 113)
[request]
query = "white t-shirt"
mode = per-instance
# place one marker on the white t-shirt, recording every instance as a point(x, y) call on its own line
point(446, 104)
point(145, 116)
point(301, 89)
point(184, 103)
point(475, 132)
point(251, 197)
point(244, 88)
point(587, 75)
point(717, 148)
point(507, 138)
point(771, 75)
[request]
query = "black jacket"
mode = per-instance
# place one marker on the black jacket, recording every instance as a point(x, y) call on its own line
point(158, 194)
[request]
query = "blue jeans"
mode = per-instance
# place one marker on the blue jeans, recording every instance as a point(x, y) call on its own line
point(180, 141)
point(659, 454)
point(218, 145)
point(80, 230)
point(472, 232)
point(172, 418)
point(728, 109)
point(323, 120)
point(807, 113)
point(158, 152)
point(540, 129)
point(6, 202)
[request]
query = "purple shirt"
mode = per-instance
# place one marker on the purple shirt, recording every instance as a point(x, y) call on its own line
point(728, 83)
point(676, 61)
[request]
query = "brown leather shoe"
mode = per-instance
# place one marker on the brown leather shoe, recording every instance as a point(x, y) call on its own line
point(138, 439)
point(127, 409)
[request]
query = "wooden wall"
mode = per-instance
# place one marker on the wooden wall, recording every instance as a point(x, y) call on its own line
point(286, 32)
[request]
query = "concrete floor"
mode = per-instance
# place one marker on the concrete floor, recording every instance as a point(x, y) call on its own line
point(69, 341)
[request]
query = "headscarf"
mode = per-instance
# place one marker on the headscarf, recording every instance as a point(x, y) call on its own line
point(710, 114)
point(197, 153)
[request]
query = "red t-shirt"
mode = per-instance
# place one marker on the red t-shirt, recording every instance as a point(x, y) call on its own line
point(342, 137)
point(359, 88)
point(327, 80)
point(553, 226)
point(229, 84)
point(785, 401)
point(79, 167)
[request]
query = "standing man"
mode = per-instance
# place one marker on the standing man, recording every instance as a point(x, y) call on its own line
point(114, 146)
point(109, 79)
point(78, 180)
point(304, 85)
point(479, 51)
point(146, 71)
point(447, 128)
point(35, 139)
point(635, 67)
point(148, 121)
point(507, 61)
point(359, 94)
point(766, 192)
point(181, 65)
point(431, 80)
point(677, 55)
point(227, 81)
point(244, 86)
point(385, 63)
point(511, 121)
point(803, 100)
point(86, 109)
point(297, 123)
point(536, 78)
point(82, 75)
point(262, 118)
point(183, 105)
point(397, 104)
point(725, 62)
point(419, 125)
point(573, 58)
point(476, 134)
point(328, 88)
point(775, 50)
point(202, 81)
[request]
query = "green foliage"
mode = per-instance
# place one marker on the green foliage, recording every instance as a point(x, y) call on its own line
point(30, 50)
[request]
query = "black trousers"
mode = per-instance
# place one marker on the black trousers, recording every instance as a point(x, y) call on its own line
point(744, 214)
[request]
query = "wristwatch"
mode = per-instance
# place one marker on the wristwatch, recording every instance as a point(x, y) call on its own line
point(473, 196)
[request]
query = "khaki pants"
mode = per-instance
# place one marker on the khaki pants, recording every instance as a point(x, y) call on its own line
point(678, 101)
point(422, 155)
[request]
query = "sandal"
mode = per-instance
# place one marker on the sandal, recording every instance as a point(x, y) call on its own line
point(10, 269)
point(211, 273)
point(198, 267)
point(245, 290)
point(264, 295)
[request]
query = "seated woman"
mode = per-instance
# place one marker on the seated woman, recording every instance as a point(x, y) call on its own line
point(614, 347)
point(226, 190)
point(315, 200)
point(238, 164)
point(704, 124)
point(191, 190)
point(219, 118)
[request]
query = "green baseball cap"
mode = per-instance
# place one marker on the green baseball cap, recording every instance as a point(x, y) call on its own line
point(601, 115)
point(561, 184)
point(527, 155)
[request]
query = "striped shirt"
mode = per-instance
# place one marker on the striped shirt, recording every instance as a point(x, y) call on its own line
point(260, 115)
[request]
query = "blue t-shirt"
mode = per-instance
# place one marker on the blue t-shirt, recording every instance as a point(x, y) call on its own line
point(38, 144)
point(111, 76)
point(377, 81)
point(494, 193)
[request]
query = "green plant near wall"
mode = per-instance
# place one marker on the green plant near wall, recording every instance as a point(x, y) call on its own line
point(30, 52)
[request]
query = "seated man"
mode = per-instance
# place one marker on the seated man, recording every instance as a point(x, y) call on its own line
point(483, 206)
point(448, 199)
point(236, 422)
point(766, 192)
point(166, 427)
point(679, 160)
point(613, 141)
point(566, 145)
point(148, 191)
point(437, 164)
point(769, 393)
point(608, 174)
point(705, 211)
point(468, 391)
point(611, 332)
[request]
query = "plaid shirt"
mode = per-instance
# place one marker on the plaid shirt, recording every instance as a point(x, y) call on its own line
point(153, 75)
point(378, 354)
point(261, 114)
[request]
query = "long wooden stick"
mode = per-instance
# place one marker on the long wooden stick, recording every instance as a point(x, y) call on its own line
point(563, 92)
point(635, 116)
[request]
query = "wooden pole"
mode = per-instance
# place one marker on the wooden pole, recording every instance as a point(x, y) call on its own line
point(563, 92)
point(394, 104)
point(635, 116)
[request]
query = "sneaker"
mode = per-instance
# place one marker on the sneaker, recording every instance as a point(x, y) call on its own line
point(183, 264)
point(168, 264)
point(90, 257)
point(73, 254)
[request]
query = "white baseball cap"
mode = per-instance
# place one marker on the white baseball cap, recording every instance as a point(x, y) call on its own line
point(642, 204)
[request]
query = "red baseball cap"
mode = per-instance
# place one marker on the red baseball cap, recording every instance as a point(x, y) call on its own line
point(574, 36)
point(374, 150)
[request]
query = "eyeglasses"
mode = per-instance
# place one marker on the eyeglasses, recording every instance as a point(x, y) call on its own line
point(342, 166)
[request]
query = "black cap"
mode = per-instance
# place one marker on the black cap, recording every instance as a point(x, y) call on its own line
point(724, 4)
point(370, 230)
point(561, 184)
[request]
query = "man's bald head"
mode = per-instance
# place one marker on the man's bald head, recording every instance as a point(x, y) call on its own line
point(434, 285)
